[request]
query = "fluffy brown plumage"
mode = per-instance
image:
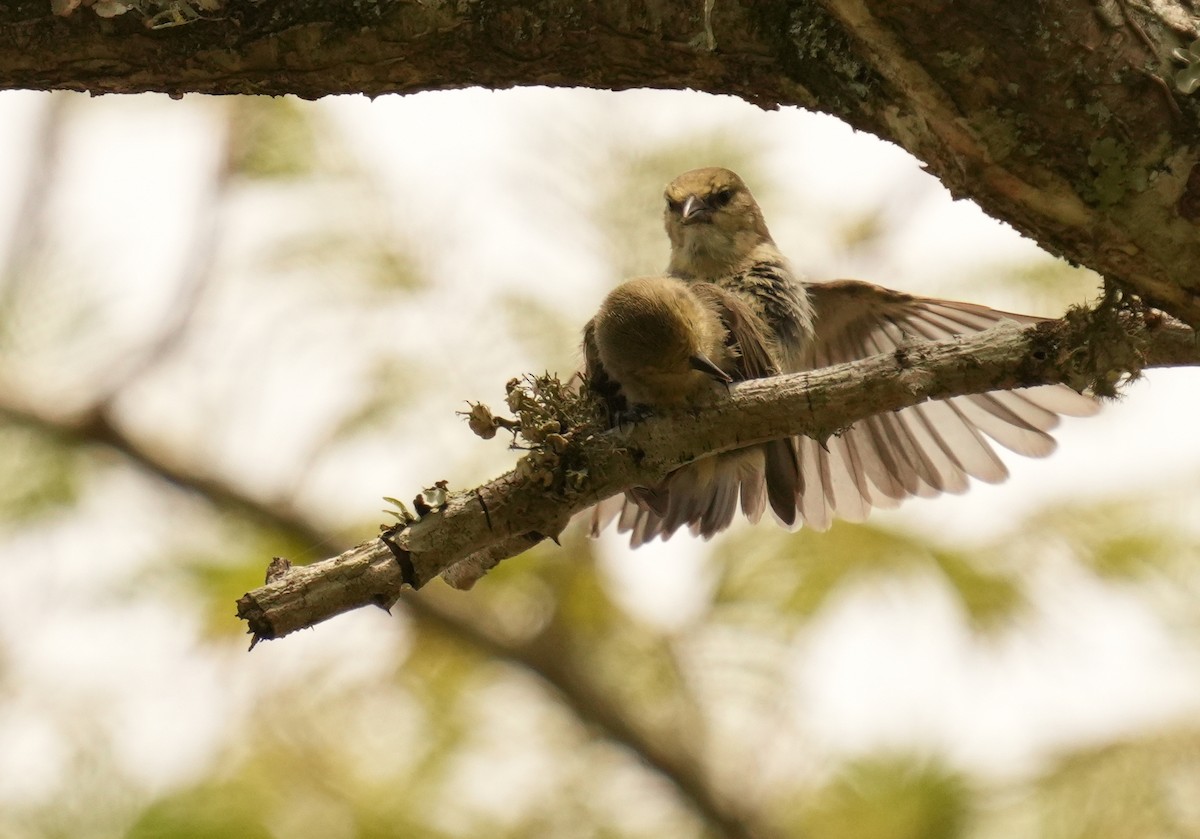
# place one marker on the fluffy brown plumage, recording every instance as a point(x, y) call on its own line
point(720, 240)
point(664, 343)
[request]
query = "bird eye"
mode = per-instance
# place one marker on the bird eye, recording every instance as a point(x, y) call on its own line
point(720, 199)
point(674, 206)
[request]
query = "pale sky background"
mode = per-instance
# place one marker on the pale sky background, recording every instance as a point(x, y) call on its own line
point(478, 180)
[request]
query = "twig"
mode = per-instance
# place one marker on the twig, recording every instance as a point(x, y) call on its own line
point(578, 691)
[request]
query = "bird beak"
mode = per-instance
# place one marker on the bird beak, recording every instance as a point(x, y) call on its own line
point(708, 367)
point(694, 209)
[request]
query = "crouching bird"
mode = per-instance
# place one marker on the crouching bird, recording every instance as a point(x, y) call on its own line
point(732, 308)
point(660, 342)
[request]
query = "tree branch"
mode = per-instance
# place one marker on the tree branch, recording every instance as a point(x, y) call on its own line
point(480, 527)
point(1073, 121)
point(542, 655)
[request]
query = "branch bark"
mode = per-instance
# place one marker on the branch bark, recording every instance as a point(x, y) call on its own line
point(1068, 120)
point(479, 527)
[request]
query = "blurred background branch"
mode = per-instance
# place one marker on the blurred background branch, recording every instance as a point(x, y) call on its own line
point(95, 427)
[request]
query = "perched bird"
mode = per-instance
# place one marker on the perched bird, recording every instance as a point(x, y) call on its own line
point(720, 240)
point(662, 339)
point(661, 342)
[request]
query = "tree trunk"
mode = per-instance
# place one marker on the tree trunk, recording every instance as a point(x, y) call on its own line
point(1068, 120)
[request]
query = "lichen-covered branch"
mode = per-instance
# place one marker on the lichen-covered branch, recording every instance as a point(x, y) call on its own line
point(1071, 121)
point(479, 527)
point(1076, 122)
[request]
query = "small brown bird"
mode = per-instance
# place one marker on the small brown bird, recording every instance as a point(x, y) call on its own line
point(662, 340)
point(720, 240)
point(663, 343)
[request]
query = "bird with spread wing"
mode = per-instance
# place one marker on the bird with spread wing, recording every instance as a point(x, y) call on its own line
point(731, 308)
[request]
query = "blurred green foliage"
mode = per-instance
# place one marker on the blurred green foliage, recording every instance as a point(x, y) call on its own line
point(41, 474)
point(890, 797)
point(205, 813)
point(542, 704)
point(1122, 539)
point(1145, 788)
point(273, 137)
point(792, 576)
point(1050, 285)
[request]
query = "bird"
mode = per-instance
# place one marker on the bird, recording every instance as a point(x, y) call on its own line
point(659, 342)
point(662, 339)
point(723, 252)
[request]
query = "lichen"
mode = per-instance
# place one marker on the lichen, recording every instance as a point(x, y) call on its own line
point(1187, 80)
point(1113, 352)
point(1114, 173)
point(554, 418)
point(1098, 110)
point(1001, 129)
point(156, 14)
point(962, 61)
point(817, 41)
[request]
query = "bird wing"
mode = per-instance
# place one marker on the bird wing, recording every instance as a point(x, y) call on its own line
point(744, 338)
point(596, 378)
point(749, 347)
point(926, 449)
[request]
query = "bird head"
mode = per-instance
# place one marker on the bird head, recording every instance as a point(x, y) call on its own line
point(713, 223)
point(660, 342)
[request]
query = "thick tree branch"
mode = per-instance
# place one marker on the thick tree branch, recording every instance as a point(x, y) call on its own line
point(1070, 120)
point(478, 528)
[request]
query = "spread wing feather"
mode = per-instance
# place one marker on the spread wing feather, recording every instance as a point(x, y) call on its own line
point(929, 448)
point(923, 451)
